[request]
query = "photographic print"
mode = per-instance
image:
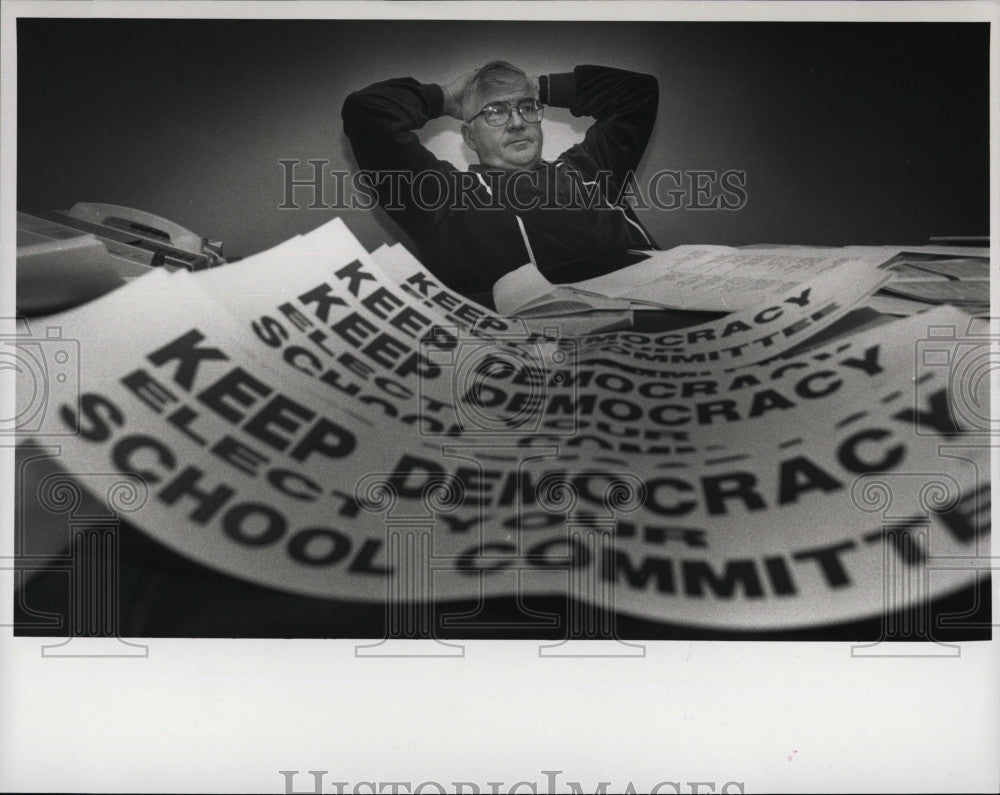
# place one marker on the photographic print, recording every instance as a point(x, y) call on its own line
point(406, 329)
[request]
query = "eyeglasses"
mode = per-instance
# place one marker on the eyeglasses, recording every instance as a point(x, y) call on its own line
point(498, 113)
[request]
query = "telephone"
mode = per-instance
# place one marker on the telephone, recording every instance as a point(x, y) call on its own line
point(65, 258)
point(172, 243)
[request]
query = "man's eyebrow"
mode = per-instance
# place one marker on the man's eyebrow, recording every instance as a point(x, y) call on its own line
point(509, 101)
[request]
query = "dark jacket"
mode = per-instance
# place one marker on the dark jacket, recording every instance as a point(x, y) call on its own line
point(488, 223)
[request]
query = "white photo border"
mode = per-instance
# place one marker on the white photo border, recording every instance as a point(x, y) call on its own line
point(229, 715)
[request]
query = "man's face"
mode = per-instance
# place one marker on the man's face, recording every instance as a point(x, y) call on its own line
point(511, 146)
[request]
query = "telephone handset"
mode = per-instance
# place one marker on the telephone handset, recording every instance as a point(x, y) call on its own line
point(152, 228)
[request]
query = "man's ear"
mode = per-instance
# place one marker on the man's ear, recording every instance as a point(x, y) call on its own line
point(467, 136)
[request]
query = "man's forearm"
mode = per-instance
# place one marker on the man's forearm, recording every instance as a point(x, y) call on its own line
point(557, 89)
point(389, 108)
point(602, 92)
point(380, 121)
point(624, 105)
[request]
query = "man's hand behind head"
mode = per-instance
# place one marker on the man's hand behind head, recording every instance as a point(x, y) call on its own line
point(453, 96)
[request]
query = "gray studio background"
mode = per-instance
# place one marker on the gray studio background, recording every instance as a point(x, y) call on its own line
point(848, 133)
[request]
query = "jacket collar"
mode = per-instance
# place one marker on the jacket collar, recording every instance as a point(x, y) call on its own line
point(479, 168)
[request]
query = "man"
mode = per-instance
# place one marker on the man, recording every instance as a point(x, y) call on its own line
point(471, 228)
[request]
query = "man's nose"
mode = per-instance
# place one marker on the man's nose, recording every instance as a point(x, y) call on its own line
point(516, 122)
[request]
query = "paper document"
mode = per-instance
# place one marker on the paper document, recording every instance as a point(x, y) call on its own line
point(719, 278)
point(942, 292)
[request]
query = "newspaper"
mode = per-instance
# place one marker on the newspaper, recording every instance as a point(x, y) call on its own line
point(718, 277)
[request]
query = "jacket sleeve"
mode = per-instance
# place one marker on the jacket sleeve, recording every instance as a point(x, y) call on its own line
point(379, 121)
point(623, 105)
